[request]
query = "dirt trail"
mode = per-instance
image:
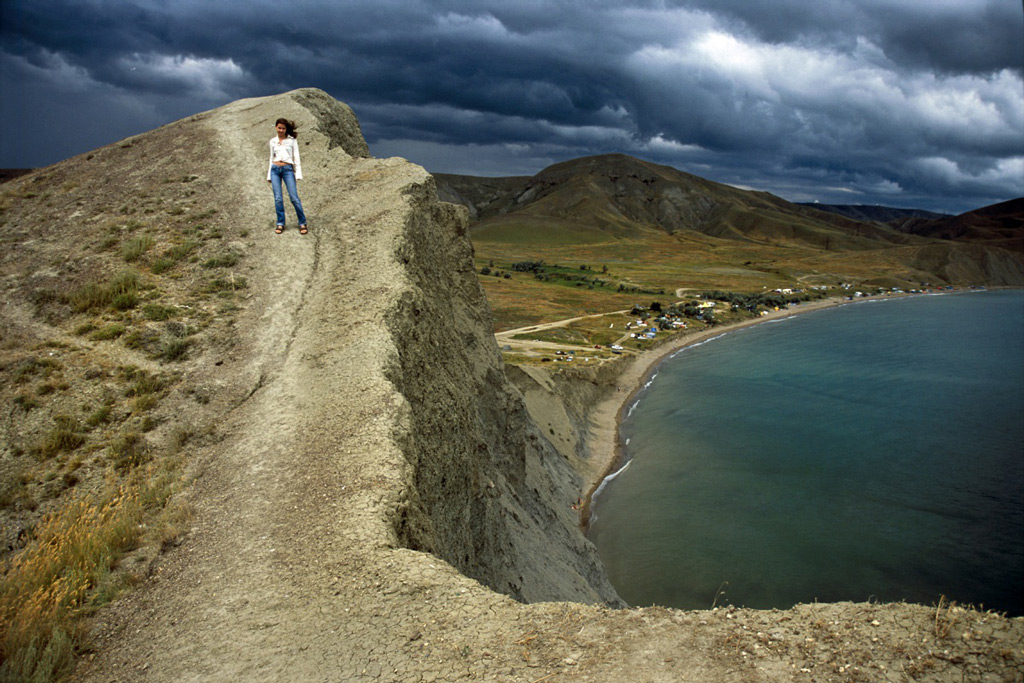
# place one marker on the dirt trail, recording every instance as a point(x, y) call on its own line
point(534, 347)
point(293, 570)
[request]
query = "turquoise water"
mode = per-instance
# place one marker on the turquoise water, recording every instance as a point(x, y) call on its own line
point(869, 452)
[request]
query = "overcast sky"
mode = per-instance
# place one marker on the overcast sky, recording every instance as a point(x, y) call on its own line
point(911, 103)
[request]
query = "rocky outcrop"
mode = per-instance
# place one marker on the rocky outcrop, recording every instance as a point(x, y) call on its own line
point(489, 493)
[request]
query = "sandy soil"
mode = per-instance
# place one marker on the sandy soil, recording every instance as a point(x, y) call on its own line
point(294, 570)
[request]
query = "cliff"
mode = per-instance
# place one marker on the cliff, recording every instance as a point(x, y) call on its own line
point(371, 498)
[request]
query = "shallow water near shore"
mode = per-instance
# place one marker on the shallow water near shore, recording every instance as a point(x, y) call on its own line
point(873, 451)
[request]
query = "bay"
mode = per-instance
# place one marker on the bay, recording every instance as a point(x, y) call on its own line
point(873, 451)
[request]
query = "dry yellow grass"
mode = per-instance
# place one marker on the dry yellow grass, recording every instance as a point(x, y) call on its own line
point(65, 570)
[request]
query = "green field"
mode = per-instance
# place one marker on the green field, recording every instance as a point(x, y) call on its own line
point(591, 278)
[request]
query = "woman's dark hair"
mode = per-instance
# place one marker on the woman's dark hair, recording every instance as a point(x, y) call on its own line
point(289, 128)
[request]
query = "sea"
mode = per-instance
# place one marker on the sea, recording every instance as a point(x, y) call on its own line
point(868, 452)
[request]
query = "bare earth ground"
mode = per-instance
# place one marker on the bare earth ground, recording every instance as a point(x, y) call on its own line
point(293, 570)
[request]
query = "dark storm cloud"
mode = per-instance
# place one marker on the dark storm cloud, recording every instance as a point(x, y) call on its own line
point(860, 101)
point(947, 36)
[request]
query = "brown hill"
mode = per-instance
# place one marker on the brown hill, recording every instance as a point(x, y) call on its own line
point(622, 196)
point(874, 213)
point(996, 225)
point(602, 199)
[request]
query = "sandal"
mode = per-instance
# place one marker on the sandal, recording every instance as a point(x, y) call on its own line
point(303, 230)
point(279, 229)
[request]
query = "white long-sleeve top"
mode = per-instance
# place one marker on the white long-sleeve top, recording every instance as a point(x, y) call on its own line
point(286, 150)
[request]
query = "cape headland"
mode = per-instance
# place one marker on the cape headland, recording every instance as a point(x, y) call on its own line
point(370, 497)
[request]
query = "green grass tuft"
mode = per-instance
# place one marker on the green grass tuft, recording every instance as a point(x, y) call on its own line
point(64, 437)
point(158, 312)
point(120, 292)
point(222, 261)
point(133, 249)
point(129, 451)
point(112, 331)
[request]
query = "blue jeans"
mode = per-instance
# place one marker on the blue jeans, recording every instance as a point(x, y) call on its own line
point(287, 173)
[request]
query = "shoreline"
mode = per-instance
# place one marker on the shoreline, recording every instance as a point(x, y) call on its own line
point(603, 438)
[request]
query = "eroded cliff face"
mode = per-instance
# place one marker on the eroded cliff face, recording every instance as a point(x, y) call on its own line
point(485, 490)
point(490, 494)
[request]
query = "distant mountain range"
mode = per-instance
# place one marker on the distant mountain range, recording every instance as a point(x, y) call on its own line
point(999, 224)
point(598, 199)
point(621, 196)
point(870, 212)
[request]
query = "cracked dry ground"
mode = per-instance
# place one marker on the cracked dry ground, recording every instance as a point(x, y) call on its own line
point(292, 571)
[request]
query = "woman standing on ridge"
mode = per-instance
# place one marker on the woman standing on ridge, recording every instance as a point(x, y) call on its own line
point(285, 165)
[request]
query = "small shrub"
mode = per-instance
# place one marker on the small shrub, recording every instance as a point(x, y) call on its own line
point(84, 329)
point(108, 243)
point(144, 383)
point(144, 402)
point(222, 261)
point(25, 403)
point(99, 416)
point(222, 286)
point(161, 265)
point(180, 436)
point(128, 451)
point(147, 341)
point(43, 366)
point(120, 292)
point(134, 248)
point(125, 301)
point(158, 312)
point(65, 436)
point(173, 348)
point(125, 281)
point(41, 298)
point(112, 331)
point(181, 251)
point(89, 297)
point(14, 494)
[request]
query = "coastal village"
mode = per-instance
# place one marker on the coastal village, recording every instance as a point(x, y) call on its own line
point(601, 338)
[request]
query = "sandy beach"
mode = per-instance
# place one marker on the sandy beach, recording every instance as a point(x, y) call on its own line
point(603, 439)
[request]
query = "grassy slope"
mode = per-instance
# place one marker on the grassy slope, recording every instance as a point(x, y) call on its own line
point(120, 273)
point(665, 263)
point(610, 212)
